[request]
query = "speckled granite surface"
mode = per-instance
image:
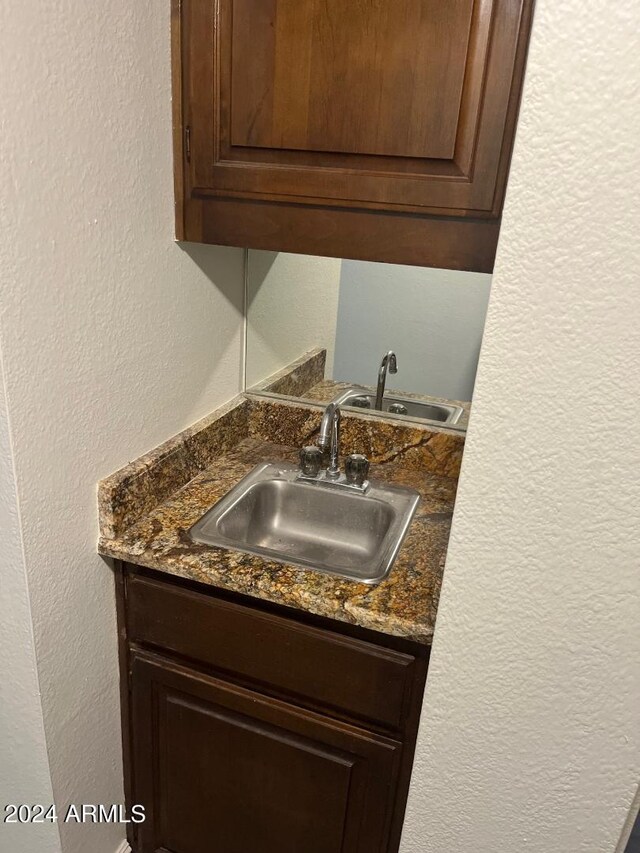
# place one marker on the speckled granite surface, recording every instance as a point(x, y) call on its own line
point(296, 378)
point(147, 507)
point(140, 486)
point(420, 446)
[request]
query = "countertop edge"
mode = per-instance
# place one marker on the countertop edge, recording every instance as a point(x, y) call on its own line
point(403, 629)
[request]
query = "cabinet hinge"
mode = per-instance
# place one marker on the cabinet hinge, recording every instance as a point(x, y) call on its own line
point(187, 143)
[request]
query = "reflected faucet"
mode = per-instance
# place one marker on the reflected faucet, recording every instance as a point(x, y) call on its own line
point(329, 438)
point(389, 361)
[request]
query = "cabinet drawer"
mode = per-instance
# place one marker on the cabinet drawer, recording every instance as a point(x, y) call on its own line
point(351, 677)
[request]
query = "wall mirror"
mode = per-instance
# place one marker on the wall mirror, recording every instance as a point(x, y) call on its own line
point(398, 341)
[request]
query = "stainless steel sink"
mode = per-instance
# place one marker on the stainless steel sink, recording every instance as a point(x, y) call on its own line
point(276, 514)
point(395, 405)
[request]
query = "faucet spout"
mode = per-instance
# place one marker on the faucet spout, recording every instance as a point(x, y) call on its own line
point(390, 363)
point(329, 438)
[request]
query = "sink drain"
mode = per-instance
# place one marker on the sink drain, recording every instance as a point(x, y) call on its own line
point(397, 409)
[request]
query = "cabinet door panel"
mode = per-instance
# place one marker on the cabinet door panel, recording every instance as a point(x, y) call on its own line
point(353, 77)
point(398, 105)
point(224, 770)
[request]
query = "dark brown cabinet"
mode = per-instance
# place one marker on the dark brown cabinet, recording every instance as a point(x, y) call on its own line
point(376, 129)
point(228, 769)
point(251, 731)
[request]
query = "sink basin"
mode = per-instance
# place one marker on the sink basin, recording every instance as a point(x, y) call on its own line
point(394, 405)
point(312, 524)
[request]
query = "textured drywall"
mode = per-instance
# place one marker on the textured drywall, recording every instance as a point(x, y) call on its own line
point(292, 305)
point(530, 734)
point(114, 339)
point(432, 318)
point(24, 768)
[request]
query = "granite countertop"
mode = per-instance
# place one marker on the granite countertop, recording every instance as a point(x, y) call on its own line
point(147, 508)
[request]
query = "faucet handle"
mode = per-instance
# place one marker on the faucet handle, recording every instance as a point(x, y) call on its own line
point(311, 458)
point(356, 469)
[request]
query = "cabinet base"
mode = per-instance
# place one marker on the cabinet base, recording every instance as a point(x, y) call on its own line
point(441, 242)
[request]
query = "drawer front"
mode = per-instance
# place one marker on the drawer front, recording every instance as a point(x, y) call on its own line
point(349, 677)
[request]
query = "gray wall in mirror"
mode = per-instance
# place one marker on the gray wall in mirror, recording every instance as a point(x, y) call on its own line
point(357, 310)
point(433, 319)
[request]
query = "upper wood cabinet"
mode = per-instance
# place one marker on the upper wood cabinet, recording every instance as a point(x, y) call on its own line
point(373, 129)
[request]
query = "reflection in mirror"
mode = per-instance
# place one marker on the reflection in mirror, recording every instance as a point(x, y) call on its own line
point(398, 341)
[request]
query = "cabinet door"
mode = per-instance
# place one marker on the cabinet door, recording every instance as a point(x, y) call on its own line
point(395, 106)
point(221, 769)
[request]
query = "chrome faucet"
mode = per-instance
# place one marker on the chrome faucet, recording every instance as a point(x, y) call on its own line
point(356, 465)
point(329, 438)
point(389, 361)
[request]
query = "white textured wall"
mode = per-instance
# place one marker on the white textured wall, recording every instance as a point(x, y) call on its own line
point(24, 768)
point(433, 319)
point(530, 736)
point(114, 339)
point(292, 305)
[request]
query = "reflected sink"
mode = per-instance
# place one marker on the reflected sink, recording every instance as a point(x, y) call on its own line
point(394, 405)
point(311, 524)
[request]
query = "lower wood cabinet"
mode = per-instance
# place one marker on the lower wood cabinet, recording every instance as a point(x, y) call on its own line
point(223, 765)
point(223, 768)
